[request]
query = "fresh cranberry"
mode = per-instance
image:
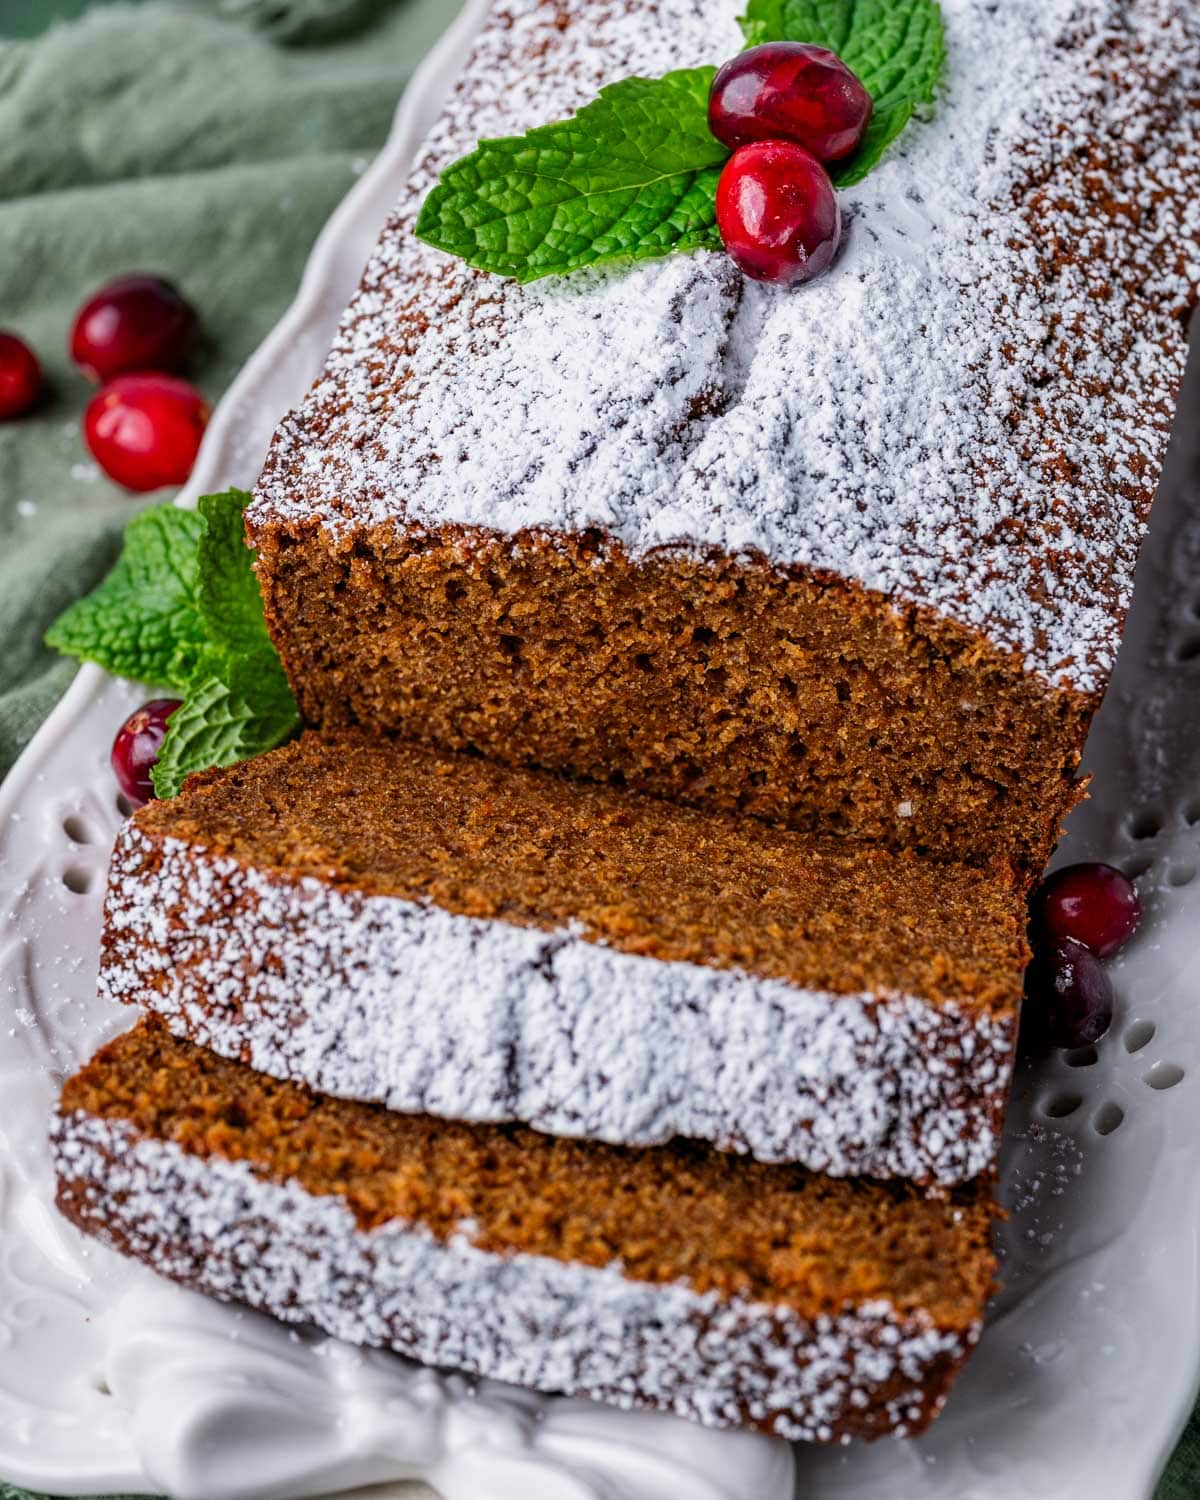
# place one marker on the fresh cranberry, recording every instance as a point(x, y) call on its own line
point(1073, 993)
point(778, 213)
point(20, 377)
point(133, 323)
point(136, 748)
point(790, 91)
point(1092, 904)
point(144, 430)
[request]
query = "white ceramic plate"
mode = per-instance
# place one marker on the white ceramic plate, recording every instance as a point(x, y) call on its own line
point(111, 1380)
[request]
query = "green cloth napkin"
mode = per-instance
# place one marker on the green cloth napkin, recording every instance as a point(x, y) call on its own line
point(182, 139)
point(209, 143)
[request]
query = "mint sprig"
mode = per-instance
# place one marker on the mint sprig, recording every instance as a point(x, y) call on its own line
point(227, 593)
point(225, 718)
point(633, 175)
point(896, 47)
point(143, 620)
point(182, 610)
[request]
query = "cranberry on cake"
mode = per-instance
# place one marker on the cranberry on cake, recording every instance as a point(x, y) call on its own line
point(439, 933)
point(852, 557)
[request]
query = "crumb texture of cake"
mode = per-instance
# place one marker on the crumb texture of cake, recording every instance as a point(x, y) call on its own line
point(445, 935)
point(675, 1279)
point(854, 559)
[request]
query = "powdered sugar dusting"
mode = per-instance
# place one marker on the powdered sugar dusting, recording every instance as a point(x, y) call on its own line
point(969, 413)
point(403, 1003)
point(219, 1226)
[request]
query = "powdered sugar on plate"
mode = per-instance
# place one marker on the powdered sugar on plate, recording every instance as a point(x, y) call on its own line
point(968, 414)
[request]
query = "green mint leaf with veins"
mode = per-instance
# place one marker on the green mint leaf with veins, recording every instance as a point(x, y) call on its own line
point(631, 176)
point(239, 703)
point(182, 609)
point(227, 595)
point(243, 708)
point(143, 620)
point(886, 125)
point(897, 48)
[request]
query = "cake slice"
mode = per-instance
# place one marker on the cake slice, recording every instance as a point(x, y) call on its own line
point(676, 1279)
point(854, 558)
point(441, 934)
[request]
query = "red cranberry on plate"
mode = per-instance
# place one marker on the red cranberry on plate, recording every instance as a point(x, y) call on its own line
point(1072, 992)
point(136, 748)
point(20, 377)
point(1092, 904)
point(778, 213)
point(144, 430)
point(790, 91)
point(133, 323)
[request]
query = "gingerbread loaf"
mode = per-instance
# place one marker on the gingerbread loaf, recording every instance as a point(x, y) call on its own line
point(446, 935)
point(675, 1279)
point(854, 559)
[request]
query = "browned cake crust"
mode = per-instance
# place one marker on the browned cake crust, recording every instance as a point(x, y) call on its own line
point(675, 1279)
point(444, 934)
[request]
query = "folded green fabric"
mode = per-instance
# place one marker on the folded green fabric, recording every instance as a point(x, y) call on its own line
point(207, 142)
point(179, 139)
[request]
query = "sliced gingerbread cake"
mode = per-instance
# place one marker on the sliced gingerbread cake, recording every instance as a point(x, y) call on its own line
point(853, 559)
point(675, 1279)
point(443, 934)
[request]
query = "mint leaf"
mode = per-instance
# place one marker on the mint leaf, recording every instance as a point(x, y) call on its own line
point(239, 702)
point(227, 595)
point(885, 126)
point(243, 709)
point(182, 608)
point(631, 176)
point(634, 174)
point(897, 48)
point(143, 620)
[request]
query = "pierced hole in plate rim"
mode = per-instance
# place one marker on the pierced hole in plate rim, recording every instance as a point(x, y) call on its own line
point(1146, 825)
point(1164, 1075)
point(1188, 650)
point(1081, 1057)
point(1191, 812)
point(1059, 1106)
point(1181, 875)
point(77, 880)
point(1134, 869)
point(1139, 1035)
point(124, 806)
point(1108, 1117)
point(78, 830)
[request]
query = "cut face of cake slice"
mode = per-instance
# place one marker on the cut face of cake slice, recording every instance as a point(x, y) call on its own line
point(675, 1279)
point(854, 558)
point(441, 934)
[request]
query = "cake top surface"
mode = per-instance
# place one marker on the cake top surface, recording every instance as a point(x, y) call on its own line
point(968, 413)
point(683, 1212)
point(633, 873)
